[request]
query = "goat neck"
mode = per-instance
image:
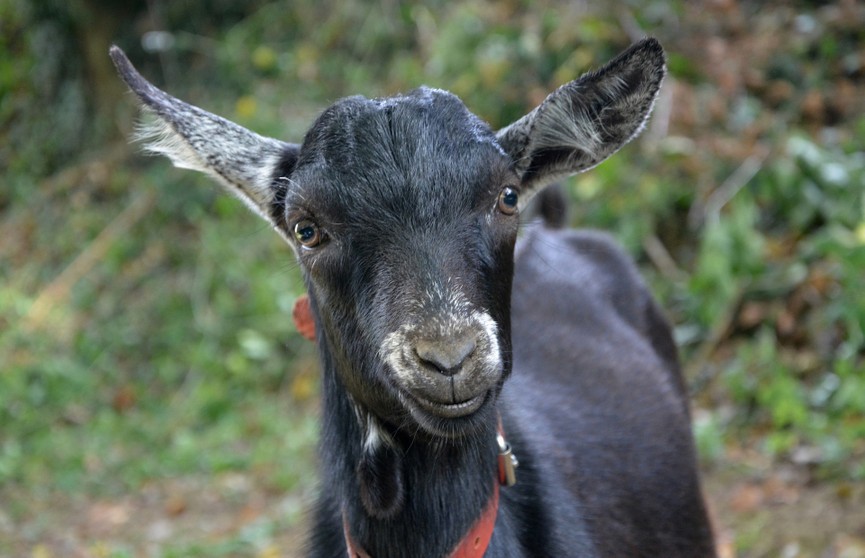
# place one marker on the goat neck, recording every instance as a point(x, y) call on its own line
point(374, 466)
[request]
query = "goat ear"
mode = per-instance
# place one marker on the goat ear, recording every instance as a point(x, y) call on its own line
point(248, 165)
point(587, 120)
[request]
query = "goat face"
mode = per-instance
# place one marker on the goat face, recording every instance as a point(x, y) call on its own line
point(402, 213)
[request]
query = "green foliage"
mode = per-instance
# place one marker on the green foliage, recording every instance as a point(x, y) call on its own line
point(809, 205)
point(730, 256)
point(795, 411)
point(42, 139)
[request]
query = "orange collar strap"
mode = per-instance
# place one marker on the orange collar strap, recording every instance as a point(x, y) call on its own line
point(476, 541)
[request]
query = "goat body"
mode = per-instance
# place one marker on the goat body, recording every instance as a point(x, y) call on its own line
point(433, 323)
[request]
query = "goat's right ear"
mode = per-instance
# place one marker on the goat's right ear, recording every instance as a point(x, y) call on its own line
point(587, 120)
point(254, 168)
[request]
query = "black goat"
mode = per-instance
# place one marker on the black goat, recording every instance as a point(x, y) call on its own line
point(403, 213)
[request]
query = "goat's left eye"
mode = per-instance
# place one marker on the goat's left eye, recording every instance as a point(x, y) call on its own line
point(508, 199)
point(307, 233)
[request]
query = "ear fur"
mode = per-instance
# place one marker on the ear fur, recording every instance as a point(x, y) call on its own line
point(587, 120)
point(248, 165)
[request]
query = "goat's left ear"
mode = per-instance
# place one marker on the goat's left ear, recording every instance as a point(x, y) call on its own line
point(587, 120)
point(252, 167)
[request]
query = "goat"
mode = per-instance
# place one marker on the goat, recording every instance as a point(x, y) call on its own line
point(403, 213)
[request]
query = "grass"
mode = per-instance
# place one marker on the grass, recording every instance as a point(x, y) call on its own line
point(141, 357)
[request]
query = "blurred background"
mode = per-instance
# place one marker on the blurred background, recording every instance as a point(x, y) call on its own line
point(155, 399)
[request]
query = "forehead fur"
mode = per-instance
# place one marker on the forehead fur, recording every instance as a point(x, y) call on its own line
point(397, 148)
point(424, 118)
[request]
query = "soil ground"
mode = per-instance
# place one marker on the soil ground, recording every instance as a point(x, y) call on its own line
point(782, 515)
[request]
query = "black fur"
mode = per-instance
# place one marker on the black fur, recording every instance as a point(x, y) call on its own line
point(417, 244)
point(552, 206)
point(280, 182)
point(379, 479)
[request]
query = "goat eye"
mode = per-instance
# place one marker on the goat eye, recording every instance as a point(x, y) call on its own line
point(508, 199)
point(307, 233)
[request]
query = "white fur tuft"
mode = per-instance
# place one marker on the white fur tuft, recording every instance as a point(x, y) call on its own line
point(159, 138)
point(567, 125)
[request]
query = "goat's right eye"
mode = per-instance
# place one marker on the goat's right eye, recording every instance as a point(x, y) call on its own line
point(307, 233)
point(508, 200)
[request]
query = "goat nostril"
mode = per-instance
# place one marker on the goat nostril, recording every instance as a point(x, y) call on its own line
point(445, 355)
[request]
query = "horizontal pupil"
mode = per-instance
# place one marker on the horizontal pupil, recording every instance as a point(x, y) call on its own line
point(510, 198)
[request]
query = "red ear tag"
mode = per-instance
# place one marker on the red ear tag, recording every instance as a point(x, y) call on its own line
point(302, 315)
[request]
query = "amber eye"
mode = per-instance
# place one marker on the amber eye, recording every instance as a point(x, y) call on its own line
point(307, 233)
point(508, 199)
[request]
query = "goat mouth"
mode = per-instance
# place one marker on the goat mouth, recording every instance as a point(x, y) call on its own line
point(451, 410)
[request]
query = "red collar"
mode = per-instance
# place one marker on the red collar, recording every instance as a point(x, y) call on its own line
point(474, 544)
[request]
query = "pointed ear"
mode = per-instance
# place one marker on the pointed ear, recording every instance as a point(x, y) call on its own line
point(587, 120)
point(254, 168)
